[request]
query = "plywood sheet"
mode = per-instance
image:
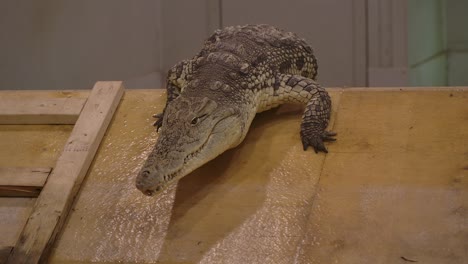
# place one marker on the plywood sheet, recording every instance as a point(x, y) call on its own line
point(14, 213)
point(239, 208)
point(32, 145)
point(393, 186)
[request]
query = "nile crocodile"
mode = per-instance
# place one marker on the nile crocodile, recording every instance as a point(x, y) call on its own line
point(213, 98)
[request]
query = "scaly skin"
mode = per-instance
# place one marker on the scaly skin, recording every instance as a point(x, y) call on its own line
point(213, 98)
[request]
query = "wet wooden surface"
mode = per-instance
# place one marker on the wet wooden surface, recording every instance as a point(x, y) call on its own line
point(394, 186)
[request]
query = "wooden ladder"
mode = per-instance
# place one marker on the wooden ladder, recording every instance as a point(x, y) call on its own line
point(55, 188)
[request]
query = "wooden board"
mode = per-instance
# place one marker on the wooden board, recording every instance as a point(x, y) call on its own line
point(40, 110)
point(4, 253)
point(14, 212)
point(393, 185)
point(22, 182)
point(52, 206)
point(246, 206)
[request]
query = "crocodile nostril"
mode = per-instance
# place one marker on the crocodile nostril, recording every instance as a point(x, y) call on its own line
point(145, 174)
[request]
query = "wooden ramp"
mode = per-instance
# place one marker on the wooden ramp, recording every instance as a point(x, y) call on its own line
point(393, 189)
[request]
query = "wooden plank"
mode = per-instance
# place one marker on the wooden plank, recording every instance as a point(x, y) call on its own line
point(22, 182)
point(54, 202)
point(28, 111)
point(4, 252)
point(14, 212)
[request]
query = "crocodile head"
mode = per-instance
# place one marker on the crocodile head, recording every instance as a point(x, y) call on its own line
point(195, 130)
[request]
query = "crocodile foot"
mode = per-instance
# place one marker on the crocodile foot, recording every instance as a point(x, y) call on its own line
point(316, 140)
point(158, 123)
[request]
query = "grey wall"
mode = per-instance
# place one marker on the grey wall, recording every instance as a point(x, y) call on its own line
point(65, 44)
point(387, 57)
point(185, 26)
point(332, 27)
point(357, 42)
point(336, 30)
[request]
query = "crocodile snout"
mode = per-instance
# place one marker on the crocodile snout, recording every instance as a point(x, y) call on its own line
point(145, 185)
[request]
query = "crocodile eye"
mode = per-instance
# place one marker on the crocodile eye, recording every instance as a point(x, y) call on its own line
point(195, 120)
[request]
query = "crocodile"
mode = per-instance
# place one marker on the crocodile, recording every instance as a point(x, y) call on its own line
point(213, 98)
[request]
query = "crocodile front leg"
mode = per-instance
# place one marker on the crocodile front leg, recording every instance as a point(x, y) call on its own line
point(176, 81)
point(301, 90)
point(315, 121)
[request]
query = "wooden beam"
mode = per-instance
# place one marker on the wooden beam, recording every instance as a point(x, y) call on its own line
point(39, 110)
point(22, 182)
point(54, 202)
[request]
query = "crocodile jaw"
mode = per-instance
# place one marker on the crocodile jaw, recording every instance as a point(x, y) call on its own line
point(155, 178)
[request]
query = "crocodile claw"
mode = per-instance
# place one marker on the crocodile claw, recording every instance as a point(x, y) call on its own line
point(158, 123)
point(316, 140)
